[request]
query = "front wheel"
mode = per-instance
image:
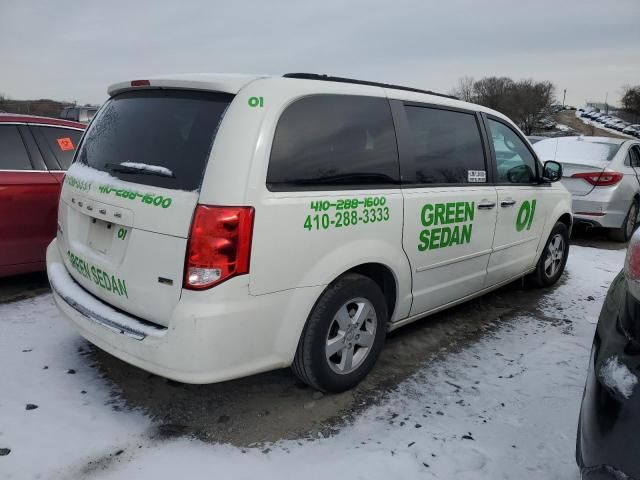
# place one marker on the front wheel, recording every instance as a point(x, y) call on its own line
point(554, 257)
point(343, 336)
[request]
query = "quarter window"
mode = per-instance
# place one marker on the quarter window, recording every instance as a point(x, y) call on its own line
point(447, 146)
point(634, 153)
point(13, 154)
point(334, 140)
point(62, 142)
point(515, 162)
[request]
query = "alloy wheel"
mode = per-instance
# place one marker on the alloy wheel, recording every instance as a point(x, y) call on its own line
point(554, 255)
point(351, 335)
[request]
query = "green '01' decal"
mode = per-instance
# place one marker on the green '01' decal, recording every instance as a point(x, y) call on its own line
point(525, 215)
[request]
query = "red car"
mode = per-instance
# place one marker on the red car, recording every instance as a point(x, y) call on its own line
point(34, 154)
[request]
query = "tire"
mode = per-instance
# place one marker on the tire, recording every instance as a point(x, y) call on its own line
point(623, 234)
point(350, 319)
point(546, 274)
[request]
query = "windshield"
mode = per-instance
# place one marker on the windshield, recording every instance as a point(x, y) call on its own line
point(139, 136)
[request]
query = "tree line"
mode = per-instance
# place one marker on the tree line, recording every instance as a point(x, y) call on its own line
point(631, 100)
point(526, 101)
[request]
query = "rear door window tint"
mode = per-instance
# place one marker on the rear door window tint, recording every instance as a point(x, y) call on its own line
point(160, 138)
point(338, 141)
point(447, 147)
point(13, 153)
point(61, 143)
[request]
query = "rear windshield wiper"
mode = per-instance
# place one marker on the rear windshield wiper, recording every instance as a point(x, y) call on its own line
point(140, 169)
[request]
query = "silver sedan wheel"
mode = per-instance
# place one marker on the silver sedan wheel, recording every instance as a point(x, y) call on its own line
point(632, 219)
point(351, 335)
point(554, 256)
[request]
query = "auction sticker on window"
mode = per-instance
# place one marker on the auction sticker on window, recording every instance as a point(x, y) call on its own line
point(65, 144)
point(340, 213)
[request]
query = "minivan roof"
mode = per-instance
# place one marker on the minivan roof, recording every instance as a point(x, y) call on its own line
point(233, 83)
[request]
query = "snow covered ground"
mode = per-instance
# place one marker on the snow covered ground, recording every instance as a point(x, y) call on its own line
point(504, 407)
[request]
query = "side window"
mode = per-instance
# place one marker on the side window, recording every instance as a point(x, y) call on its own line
point(61, 143)
point(634, 153)
point(447, 146)
point(13, 153)
point(515, 163)
point(334, 140)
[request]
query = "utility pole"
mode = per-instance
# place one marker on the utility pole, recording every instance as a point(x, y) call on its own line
point(564, 97)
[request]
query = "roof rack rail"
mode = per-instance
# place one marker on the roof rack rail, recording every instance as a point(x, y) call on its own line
point(329, 78)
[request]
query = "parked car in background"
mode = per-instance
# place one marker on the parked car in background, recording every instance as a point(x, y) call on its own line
point(609, 422)
point(632, 130)
point(602, 175)
point(79, 114)
point(34, 153)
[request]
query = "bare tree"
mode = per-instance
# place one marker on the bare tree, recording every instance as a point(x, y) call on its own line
point(529, 102)
point(464, 90)
point(525, 101)
point(631, 100)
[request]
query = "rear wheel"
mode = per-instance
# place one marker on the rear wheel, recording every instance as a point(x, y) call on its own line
point(623, 234)
point(554, 257)
point(343, 336)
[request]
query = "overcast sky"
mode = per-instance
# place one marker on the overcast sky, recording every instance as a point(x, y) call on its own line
point(72, 50)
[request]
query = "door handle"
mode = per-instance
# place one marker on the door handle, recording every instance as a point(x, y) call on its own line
point(486, 206)
point(507, 203)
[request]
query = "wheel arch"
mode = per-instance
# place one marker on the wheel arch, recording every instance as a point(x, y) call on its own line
point(385, 279)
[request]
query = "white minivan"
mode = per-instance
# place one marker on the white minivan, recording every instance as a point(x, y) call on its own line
point(216, 226)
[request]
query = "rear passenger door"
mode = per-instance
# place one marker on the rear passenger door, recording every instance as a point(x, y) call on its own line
point(28, 200)
point(449, 202)
point(522, 204)
point(332, 199)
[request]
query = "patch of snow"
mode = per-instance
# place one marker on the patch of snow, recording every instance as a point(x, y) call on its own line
point(504, 406)
point(563, 128)
point(580, 149)
point(588, 121)
point(148, 168)
point(618, 377)
point(89, 174)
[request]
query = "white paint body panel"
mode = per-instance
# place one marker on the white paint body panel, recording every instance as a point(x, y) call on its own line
point(252, 323)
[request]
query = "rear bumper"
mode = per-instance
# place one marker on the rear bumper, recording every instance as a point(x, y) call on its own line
point(213, 335)
point(599, 210)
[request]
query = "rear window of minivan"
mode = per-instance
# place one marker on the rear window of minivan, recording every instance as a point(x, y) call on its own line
point(157, 137)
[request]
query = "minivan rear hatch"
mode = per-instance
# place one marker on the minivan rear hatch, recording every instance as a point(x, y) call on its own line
point(577, 155)
point(128, 199)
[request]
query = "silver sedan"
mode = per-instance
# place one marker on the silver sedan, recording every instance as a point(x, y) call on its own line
point(603, 176)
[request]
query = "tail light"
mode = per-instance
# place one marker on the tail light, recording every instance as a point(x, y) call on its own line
point(140, 83)
point(219, 245)
point(600, 179)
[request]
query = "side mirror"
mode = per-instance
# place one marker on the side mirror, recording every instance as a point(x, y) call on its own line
point(552, 171)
